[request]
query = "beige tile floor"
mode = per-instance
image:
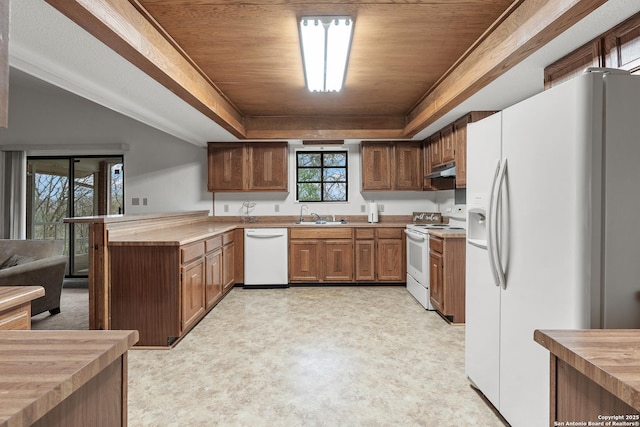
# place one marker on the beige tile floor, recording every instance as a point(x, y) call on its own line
point(310, 356)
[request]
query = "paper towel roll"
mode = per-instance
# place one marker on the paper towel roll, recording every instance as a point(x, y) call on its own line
point(373, 212)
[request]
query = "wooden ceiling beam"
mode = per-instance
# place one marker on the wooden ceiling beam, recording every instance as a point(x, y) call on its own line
point(529, 27)
point(325, 127)
point(119, 25)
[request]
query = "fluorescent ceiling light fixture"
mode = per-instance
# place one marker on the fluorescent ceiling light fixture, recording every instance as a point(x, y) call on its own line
point(325, 42)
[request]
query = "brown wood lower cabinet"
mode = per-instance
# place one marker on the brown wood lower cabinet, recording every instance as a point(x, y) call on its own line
point(163, 291)
point(347, 255)
point(594, 376)
point(64, 378)
point(380, 255)
point(338, 260)
point(228, 261)
point(446, 276)
point(320, 255)
point(15, 306)
point(365, 259)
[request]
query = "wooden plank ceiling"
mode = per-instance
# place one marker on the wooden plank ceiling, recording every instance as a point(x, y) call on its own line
point(239, 62)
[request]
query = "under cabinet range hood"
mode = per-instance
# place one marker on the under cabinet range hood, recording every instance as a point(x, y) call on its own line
point(448, 170)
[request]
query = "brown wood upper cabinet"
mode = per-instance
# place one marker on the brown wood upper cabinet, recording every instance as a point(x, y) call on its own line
point(447, 144)
point(248, 166)
point(460, 143)
point(391, 166)
point(617, 48)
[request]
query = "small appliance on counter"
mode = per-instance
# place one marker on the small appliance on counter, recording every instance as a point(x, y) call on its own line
point(373, 212)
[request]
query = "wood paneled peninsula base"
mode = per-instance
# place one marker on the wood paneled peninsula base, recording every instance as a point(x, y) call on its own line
point(64, 378)
point(595, 376)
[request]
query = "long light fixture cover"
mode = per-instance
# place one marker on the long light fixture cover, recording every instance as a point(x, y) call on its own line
point(325, 42)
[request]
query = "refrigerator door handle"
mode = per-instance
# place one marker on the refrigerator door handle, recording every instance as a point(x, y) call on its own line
point(492, 218)
point(499, 265)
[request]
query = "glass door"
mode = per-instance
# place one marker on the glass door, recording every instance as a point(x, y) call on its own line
point(62, 187)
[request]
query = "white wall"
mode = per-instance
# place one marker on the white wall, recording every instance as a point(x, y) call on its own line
point(45, 120)
point(394, 203)
point(170, 173)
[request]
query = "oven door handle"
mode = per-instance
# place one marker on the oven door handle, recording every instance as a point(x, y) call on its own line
point(414, 237)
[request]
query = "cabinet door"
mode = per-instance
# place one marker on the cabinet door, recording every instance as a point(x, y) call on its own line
point(408, 166)
point(390, 260)
point(426, 164)
point(622, 45)
point(226, 167)
point(192, 293)
point(304, 265)
point(228, 266)
point(268, 166)
point(574, 64)
point(460, 135)
point(436, 281)
point(376, 166)
point(447, 144)
point(435, 150)
point(213, 284)
point(338, 261)
point(365, 261)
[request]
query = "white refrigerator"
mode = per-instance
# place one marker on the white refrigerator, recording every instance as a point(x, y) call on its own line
point(553, 232)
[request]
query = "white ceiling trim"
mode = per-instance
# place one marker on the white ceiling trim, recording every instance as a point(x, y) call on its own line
point(49, 46)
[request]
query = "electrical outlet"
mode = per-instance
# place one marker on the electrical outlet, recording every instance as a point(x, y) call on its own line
point(277, 208)
point(135, 201)
point(226, 208)
point(380, 208)
point(363, 208)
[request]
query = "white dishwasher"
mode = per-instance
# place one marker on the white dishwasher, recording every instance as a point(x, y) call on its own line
point(266, 257)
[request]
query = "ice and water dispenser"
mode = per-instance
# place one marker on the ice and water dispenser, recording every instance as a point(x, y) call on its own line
point(477, 207)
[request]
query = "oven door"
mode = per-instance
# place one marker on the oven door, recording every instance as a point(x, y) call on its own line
point(417, 256)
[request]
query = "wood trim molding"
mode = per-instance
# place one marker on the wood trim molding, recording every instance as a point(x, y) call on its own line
point(532, 25)
point(119, 25)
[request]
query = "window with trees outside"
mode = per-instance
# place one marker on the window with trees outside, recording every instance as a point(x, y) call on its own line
point(321, 176)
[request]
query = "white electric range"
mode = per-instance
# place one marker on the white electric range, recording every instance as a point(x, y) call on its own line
point(418, 258)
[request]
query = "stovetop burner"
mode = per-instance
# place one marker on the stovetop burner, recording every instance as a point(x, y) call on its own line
point(425, 227)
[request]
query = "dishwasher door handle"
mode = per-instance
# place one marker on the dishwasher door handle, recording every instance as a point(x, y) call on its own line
point(263, 235)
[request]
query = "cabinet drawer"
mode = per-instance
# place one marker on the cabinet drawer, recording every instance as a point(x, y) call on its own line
point(227, 237)
point(435, 244)
point(213, 243)
point(321, 233)
point(389, 233)
point(17, 318)
point(364, 233)
point(191, 252)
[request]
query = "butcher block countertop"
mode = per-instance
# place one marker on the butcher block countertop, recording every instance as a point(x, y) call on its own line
point(39, 369)
point(12, 296)
point(449, 234)
point(171, 236)
point(608, 357)
point(182, 234)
